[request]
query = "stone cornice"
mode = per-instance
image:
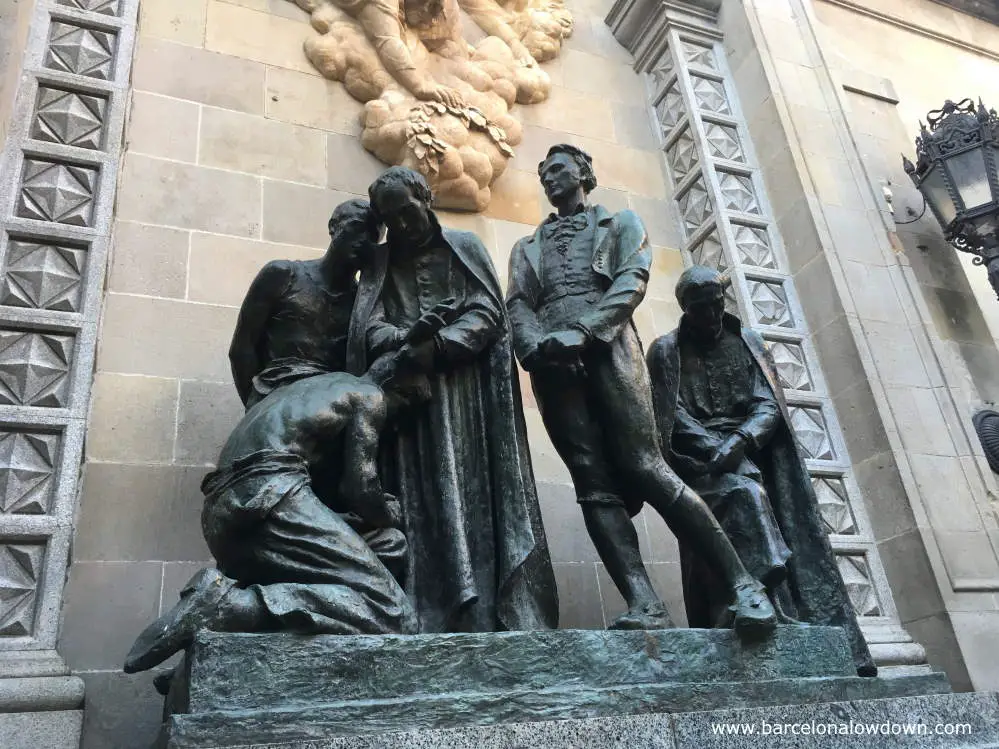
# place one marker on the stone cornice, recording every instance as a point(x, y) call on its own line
point(859, 7)
point(641, 25)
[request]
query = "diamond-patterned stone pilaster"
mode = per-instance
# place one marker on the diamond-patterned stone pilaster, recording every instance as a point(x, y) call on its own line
point(27, 472)
point(857, 577)
point(34, 368)
point(792, 368)
point(809, 427)
point(81, 50)
point(53, 191)
point(43, 276)
point(69, 117)
point(695, 205)
point(834, 505)
point(108, 7)
point(698, 54)
point(723, 141)
point(769, 303)
point(753, 246)
point(738, 193)
point(709, 95)
point(20, 570)
point(662, 70)
point(682, 155)
point(709, 252)
point(669, 110)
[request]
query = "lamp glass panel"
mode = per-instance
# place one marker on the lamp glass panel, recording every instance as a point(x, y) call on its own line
point(970, 177)
point(934, 189)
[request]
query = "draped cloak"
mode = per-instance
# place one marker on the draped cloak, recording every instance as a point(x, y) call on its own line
point(813, 578)
point(467, 550)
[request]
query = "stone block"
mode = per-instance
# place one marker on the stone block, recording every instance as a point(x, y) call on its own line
point(123, 711)
point(186, 340)
point(107, 604)
point(516, 197)
point(181, 21)
point(910, 576)
point(795, 222)
point(860, 422)
point(947, 497)
point(222, 268)
point(660, 219)
point(164, 127)
point(592, 35)
point(572, 111)
point(138, 512)
point(169, 193)
point(207, 413)
point(252, 35)
point(815, 283)
point(976, 632)
point(568, 540)
point(936, 634)
point(896, 356)
point(922, 426)
point(507, 234)
point(969, 558)
point(853, 234)
point(206, 77)
point(349, 167)
point(873, 293)
point(535, 142)
point(303, 99)
point(663, 546)
point(298, 214)
point(250, 143)
point(548, 466)
point(982, 362)
point(603, 78)
point(57, 729)
point(149, 260)
point(133, 418)
point(633, 127)
point(578, 596)
point(885, 498)
point(837, 348)
point(612, 200)
point(281, 8)
point(957, 314)
point(628, 169)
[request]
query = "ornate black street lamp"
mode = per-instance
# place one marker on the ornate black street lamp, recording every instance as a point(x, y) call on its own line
point(957, 172)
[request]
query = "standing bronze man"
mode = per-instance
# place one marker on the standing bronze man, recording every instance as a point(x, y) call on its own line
point(726, 430)
point(573, 288)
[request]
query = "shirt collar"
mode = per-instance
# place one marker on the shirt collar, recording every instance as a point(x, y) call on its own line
point(580, 208)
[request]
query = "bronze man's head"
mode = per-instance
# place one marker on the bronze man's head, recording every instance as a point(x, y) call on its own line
point(401, 200)
point(353, 230)
point(564, 171)
point(701, 294)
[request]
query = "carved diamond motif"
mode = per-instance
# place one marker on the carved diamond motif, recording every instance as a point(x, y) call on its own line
point(723, 141)
point(857, 578)
point(754, 246)
point(770, 303)
point(670, 109)
point(792, 369)
point(695, 205)
point(34, 368)
point(709, 252)
point(737, 192)
point(710, 94)
point(79, 50)
point(663, 70)
point(682, 155)
point(20, 569)
point(57, 192)
point(834, 506)
point(43, 276)
point(809, 427)
point(110, 7)
point(696, 54)
point(68, 117)
point(27, 465)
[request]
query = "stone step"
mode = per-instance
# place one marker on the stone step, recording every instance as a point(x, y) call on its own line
point(253, 671)
point(562, 718)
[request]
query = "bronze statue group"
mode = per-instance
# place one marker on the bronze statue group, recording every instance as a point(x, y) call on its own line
point(380, 481)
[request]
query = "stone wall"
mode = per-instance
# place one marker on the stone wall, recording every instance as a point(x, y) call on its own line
point(236, 152)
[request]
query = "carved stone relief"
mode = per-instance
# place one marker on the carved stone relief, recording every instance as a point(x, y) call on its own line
point(434, 101)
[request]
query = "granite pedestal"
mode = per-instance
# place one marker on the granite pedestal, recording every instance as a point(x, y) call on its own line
point(565, 688)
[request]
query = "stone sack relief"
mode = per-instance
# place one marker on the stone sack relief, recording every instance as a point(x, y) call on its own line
point(435, 102)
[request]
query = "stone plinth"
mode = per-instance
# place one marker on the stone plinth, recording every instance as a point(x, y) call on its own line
point(237, 690)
